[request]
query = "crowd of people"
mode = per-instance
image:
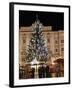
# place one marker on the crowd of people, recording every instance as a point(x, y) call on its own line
point(43, 71)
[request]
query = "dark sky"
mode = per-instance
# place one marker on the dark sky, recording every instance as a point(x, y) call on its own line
point(54, 19)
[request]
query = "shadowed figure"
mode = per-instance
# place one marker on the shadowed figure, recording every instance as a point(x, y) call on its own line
point(33, 70)
point(48, 74)
point(41, 72)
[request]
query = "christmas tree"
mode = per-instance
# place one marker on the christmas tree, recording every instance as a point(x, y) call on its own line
point(36, 47)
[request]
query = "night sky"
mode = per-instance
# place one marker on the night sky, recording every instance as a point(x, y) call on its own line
point(54, 19)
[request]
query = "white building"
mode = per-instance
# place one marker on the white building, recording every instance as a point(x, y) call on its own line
point(54, 40)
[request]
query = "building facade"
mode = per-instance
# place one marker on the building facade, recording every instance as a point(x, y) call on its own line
point(54, 41)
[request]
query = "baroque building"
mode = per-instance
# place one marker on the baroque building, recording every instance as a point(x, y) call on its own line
point(54, 41)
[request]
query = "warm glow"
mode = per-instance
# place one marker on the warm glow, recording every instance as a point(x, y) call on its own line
point(34, 61)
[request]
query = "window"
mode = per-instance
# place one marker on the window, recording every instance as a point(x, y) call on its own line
point(24, 34)
point(48, 40)
point(48, 33)
point(56, 50)
point(62, 41)
point(23, 52)
point(56, 42)
point(24, 41)
point(62, 49)
point(23, 59)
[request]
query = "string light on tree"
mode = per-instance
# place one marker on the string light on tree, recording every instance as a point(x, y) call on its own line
point(36, 47)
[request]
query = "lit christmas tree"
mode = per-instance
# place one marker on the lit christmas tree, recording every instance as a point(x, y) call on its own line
point(36, 47)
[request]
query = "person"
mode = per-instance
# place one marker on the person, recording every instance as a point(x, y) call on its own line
point(43, 71)
point(48, 74)
point(40, 72)
point(57, 71)
point(33, 70)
